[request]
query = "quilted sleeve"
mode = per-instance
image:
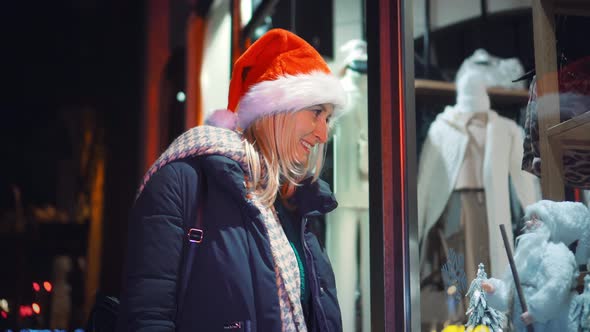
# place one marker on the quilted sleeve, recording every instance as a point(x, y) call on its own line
point(154, 253)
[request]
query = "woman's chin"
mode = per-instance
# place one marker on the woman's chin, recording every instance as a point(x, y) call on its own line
point(301, 160)
point(302, 156)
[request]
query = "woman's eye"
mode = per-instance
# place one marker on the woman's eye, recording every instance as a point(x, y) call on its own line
point(317, 112)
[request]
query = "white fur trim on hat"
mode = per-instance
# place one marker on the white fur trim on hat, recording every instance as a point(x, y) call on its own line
point(290, 93)
point(222, 118)
point(567, 221)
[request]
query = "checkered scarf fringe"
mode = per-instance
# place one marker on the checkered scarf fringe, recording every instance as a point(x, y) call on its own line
point(207, 140)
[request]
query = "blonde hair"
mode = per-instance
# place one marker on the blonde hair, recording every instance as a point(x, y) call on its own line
point(270, 153)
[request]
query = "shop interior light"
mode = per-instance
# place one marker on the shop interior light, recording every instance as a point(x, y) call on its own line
point(36, 286)
point(36, 308)
point(48, 286)
point(4, 305)
point(180, 96)
point(4, 314)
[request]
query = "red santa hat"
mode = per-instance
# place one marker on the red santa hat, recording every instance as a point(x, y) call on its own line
point(278, 73)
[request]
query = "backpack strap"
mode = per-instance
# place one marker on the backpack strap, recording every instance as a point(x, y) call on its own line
point(195, 236)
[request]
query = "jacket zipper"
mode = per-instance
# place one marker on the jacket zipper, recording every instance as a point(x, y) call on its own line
point(232, 326)
point(313, 279)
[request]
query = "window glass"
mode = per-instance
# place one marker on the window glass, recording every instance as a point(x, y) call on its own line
point(336, 29)
point(502, 105)
point(347, 228)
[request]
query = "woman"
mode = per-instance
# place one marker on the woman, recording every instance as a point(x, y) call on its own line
point(251, 176)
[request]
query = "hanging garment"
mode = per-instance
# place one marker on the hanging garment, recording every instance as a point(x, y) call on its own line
point(441, 158)
point(463, 228)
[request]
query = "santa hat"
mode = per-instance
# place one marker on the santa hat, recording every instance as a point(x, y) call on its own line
point(278, 73)
point(567, 222)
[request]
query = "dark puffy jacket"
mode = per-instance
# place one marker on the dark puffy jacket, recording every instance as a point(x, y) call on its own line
point(231, 285)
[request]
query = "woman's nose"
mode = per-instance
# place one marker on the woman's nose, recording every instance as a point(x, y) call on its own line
point(321, 131)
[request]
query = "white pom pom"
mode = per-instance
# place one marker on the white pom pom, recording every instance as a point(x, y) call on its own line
point(222, 118)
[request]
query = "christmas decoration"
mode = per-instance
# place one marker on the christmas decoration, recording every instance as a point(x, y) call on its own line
point(479, 312)
point(453, 274)
point(579, 315)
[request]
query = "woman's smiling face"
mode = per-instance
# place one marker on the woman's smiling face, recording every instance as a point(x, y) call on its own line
point(310, 128)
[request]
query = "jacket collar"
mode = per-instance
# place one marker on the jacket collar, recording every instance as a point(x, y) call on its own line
point(313, 198)
point(459, 119)
point(310, 198)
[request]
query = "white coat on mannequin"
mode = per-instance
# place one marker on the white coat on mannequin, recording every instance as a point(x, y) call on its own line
point(352, 216)
point(442, 156)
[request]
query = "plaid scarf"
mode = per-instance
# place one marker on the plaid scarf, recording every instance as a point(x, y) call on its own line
point(206, 140)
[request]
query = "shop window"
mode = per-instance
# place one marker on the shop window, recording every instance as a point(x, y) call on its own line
point(502, 108)
point(336, 29)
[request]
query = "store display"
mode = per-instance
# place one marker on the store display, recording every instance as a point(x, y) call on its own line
point(468, 163)
point(480, 312)
point(546, 267)
point(572, 224)
point(579, 314)
point(459, 190)
point(347, 231)
point(495, 155)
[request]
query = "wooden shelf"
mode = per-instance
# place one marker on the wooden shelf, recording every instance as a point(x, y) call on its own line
point(431, 87)
point(571, 134)
point(575, 127)
point(424, 87)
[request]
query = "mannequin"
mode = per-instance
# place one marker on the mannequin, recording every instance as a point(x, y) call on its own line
point(351, 220)
point(494, 71)
point(466, 162)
